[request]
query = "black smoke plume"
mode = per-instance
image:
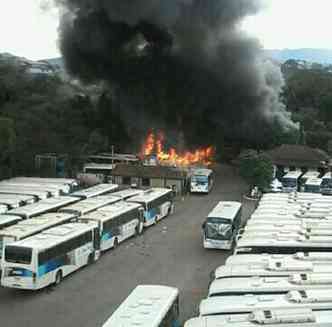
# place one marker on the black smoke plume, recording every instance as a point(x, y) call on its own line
point(179, 64)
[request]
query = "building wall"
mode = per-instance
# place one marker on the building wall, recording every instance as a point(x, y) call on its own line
point(157, 182)
point(178, 184)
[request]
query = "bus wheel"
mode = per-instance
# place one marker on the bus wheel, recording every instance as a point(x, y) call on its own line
point(116, 243)
point(58, 277)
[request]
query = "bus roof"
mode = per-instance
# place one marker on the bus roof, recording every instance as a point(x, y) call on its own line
point(6, 220)
point(272, 318)
point(50, 204)
point(23, 191)
point(91, 204)
point(150, 195)
point(66, 181)
point(17, 197)
point(310, 174)
point(202, 172)
point(128, 193)
point(32, 226)
point(265, 285)
point(271, 268)
point(55, 235)
point(145, 306)
point(293, 174)
point(265, 258)
point(96, 190)
point(314, 181)
point(111, 211)
point(225, 209)
point(313, 299)
point(39, 188)
point(327, 175)
point(30, 184)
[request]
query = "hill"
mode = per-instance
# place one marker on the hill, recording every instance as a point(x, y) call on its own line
point(322, 56)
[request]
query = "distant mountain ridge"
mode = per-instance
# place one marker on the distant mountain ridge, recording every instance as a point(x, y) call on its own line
point(321, 56)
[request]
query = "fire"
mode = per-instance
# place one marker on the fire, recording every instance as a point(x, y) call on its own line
point(154, 145)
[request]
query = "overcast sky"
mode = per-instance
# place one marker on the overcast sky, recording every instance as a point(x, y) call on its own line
point(26, 30)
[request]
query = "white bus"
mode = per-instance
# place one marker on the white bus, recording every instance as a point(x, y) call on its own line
point(5, 222)
point(291, 181)
point(271, 318)
point(54, 189)
point(201, 180)
point(283, 245)
point(86, 206)
point(273, 268)
point(313, 185)
point(221, 225)
point(128, 193)
point(308, 175)
point(157, 204)
point(96, 190)
point(43, 206)
point(50, 190)
point(117, 222)
point(326, 186)
point(269, 285)
point(26, 228)
point(162, 309)
point(38, 195)
point(70, 182)
point(16, 200)
point(46, 258)
point(263, 259)
point(226, 305)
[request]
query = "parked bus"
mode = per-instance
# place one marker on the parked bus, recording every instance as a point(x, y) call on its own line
point(225, 305)
point(271, 318)
point(157, 204)
point(308, 175)
point(162, 311)
point(313, 185)
point(201, 180)
point(26, 228)
point(50, 190)
point(269, 285)
point(6, 221)
point(37, 194)
point(283, 245)
point(117, 222)
point(291, 181)
point(43, 206)
point(86, 206)
point(54, 189)
point(263, 259)
point(326, 186)
point(46, 258)
point(91, 192)
point(221, 225)
point(128, 193)
point(272, 268)
point(13, 201)
point(70, 182)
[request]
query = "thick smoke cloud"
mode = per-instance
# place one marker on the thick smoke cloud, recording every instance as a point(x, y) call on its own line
point(183, 64)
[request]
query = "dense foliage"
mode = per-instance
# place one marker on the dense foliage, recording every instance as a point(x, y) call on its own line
point(43, 114)
point(308, 95)
point(256, 169)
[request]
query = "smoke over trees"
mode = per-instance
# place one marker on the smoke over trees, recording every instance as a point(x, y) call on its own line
point(179, 64)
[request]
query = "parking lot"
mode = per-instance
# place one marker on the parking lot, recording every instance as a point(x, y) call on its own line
point(169, 253)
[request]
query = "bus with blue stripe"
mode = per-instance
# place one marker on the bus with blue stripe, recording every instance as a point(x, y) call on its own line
point(157, 204)
point(46, 258)
point(117, 222)
point(29, 227)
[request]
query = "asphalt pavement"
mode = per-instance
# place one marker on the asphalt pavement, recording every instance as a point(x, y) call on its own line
point(169, 253)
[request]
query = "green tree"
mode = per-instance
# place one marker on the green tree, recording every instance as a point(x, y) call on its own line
point(7, 146)
point(256, 168)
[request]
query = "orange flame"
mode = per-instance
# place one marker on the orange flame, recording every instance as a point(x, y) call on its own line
point(155, 145)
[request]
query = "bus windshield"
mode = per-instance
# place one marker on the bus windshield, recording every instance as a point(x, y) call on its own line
point(218, 229)
point(289, 182)
point(16, 254)
point(327, 182)
point(200, 179)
